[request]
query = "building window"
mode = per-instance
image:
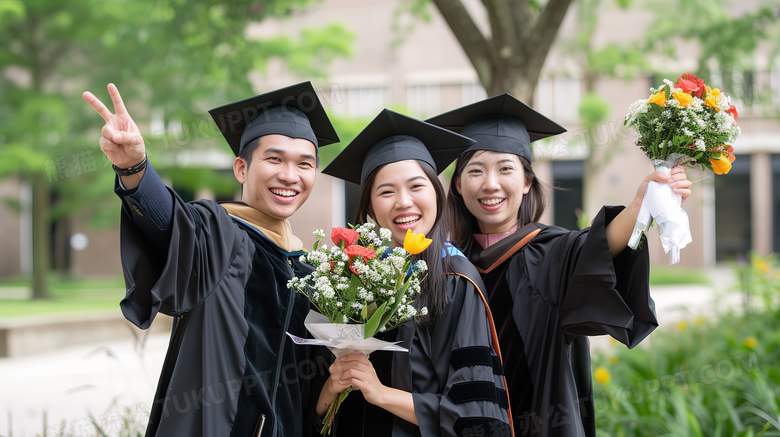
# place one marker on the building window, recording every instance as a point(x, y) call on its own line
point(559, 98)
point(423, 101)
point(732, 212)
point(362, 102)
point(472, 92)
point(567, 202)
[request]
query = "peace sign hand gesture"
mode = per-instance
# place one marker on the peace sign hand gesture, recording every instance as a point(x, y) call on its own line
point(121, 139)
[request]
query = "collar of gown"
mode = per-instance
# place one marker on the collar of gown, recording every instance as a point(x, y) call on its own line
point(278, 231)
point(487, 240)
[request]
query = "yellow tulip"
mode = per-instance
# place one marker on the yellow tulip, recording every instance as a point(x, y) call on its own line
point(682, 326)
point(721, 165)
point(684, 98)
point(415, 243)
point(602, 375)
point(658, 98)
point(751, 342)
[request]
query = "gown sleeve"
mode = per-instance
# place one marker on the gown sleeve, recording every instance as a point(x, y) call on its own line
point(596, 294)
point(474, 399)
point(173, 253)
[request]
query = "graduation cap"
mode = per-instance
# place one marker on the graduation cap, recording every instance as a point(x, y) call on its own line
point(294, 111)
point(393, 137)
point(499, 124)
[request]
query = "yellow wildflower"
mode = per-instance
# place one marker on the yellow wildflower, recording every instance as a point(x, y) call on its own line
point(751, 342)
point(658, 98)
point(698, 320)
point(613, 359)
point(612, 341)
point(760, 264)
point(602, 375)
point(415, 243)
point(682, 325)
point(684, 98)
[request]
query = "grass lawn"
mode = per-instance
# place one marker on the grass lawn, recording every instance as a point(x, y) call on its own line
point(678, 276)
point(67, 295)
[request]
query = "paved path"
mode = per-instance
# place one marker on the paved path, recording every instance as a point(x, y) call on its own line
point(106, 379)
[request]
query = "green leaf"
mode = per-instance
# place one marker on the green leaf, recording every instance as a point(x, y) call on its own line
point(354, 283)
point(764, 429)
point(388, 314)
point(364, 313)
point(371, 309)
point(373, 324)
point(315, 245)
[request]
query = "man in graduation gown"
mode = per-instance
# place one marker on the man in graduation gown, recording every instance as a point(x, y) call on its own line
point(221, 269)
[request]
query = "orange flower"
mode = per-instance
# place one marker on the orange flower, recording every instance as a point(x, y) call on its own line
point(348, 236)
point(658, 98)
point(721, 165)
point(733, 111)
point(690, 84)
point(684, 98)
point(356, 250)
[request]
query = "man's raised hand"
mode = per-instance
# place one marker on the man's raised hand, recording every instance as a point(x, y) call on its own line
point(121, 139)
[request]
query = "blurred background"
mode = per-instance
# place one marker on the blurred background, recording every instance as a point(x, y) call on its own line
point(70, 364)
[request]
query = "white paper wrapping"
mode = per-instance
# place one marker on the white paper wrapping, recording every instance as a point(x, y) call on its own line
point(664, 206)
point(342, 339)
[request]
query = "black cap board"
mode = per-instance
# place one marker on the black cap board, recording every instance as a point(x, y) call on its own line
point(500, 124)
point(294, 111)
point(393, 137)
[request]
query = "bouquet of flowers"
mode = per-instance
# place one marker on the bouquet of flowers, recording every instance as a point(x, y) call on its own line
point(360, 286)
point(683, 123)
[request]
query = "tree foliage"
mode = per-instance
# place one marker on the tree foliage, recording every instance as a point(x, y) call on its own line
point(175, 58)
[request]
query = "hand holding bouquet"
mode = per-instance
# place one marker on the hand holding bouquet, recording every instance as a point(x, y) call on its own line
point(360, 286)
point(683, 123)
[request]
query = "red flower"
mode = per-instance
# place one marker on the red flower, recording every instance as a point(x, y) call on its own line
point(364, 252)
point(348, 236)
point(354, 270)
point(733, 111)
point(332, 265)
point(691, 85)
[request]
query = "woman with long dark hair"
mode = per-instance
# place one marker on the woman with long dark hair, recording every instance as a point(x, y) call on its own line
point(450, 382)
point(548, 287)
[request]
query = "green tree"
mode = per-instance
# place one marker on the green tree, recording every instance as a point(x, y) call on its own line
point(172, 56)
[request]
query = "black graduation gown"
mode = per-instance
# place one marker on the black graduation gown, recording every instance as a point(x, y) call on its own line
point(549, 288)
point(452, 370)
point(230, 369)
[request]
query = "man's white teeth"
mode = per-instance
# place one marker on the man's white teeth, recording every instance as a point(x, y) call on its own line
point(407, 219)
point(491, 202)
point(284, 193)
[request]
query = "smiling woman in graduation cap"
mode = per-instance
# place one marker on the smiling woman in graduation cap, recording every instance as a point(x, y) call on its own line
point(450, 383)
point(221, 269)
point(548, 288)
